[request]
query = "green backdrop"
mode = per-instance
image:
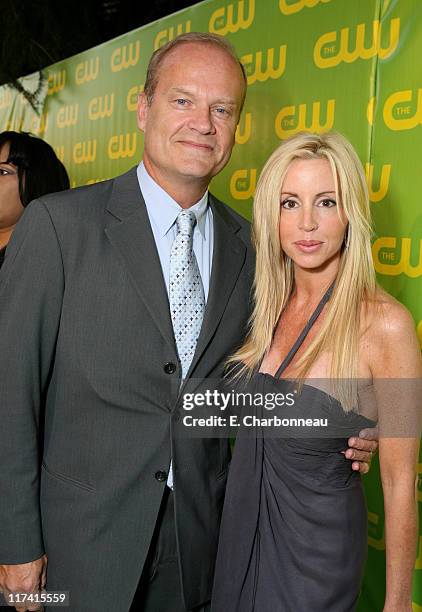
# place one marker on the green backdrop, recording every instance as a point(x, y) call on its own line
point(351, 65)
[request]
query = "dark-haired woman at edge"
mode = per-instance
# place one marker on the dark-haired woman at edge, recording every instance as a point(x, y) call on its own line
point(29, 168)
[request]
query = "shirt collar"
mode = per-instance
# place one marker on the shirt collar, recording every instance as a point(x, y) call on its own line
point(161, 207)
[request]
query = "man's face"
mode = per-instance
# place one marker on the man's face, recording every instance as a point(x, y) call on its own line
point(190, 125)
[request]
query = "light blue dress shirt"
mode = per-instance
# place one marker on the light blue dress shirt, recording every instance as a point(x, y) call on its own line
point(162, 212)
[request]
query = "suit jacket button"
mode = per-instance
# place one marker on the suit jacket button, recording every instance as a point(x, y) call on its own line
point(169, 367)
point(161, 476)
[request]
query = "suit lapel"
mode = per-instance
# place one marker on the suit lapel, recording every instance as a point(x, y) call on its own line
point(228, 259)
point(129, 231)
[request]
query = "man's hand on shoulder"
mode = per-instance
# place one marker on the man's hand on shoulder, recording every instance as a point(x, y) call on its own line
point(24, 578)
point(362, 449)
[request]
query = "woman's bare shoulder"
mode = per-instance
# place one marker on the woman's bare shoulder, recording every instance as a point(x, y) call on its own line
point(383, 314)
point(389, 333)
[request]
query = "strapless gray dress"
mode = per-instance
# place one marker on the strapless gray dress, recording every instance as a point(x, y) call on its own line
point(294, 526)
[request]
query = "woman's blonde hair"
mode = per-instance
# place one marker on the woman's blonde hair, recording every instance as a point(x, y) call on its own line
point(274, 279)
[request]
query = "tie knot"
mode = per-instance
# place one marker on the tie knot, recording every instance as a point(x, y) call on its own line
point(186, 221)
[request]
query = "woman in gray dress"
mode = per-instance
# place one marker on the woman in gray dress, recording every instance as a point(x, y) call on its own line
point(294, 533)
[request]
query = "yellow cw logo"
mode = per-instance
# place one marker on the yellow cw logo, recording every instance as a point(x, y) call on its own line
point(67, 115)
point(376, 195)
point(101, 106)
point(55, 82)
point(376, 534)
point(125, 57)
point(243, 184)
point(39, 124)
point(60, 152)
point(292, 119)
point(331, 48)
point(165, 35)
point(244, 128)
point(387, 261)
point(5, 97)
point(132, 97)
point(253, 65)
point(222, 20)
point(87, 71)
point(288, 8)
point(84, 152)
point(122, 145)
point(398, 113)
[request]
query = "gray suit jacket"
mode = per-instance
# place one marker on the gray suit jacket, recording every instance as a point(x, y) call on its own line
point(87, 405)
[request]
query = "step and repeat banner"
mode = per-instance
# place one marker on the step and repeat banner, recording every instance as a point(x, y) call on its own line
point(311, 64)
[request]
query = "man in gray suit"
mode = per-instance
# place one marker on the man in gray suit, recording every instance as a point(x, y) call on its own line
point(93, 357)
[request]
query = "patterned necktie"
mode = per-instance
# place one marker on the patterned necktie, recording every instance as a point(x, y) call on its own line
point(186, 292)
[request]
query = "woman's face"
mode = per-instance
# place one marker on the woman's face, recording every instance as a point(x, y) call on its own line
point(10, 203)
point(312, 222)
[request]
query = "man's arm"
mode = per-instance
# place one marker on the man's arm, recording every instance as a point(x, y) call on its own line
point(31, 289)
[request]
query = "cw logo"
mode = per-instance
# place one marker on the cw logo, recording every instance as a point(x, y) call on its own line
point(55, 82)
point(39, 125)
point(5, 97)
point(289, 8)
point(244, 128)
point(376, 534)
point(67, 115)
point(243, 184)
point(419, 332)
point(166, 35)
point(101, 107)
point(122, 145)
point(388, 262)
point(255, 73)
point(329, 52)
point(222, 20)
point(398, 117)
point(290, 119)
point(132, 97)
point(60, 152)
point(84, 152)
point(87, 71)
point(125, 57)
point(376, 195)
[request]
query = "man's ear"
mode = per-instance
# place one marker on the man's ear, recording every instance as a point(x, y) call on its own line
point(142, 111)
